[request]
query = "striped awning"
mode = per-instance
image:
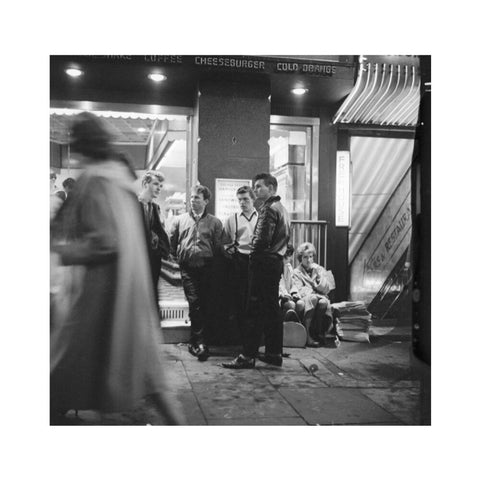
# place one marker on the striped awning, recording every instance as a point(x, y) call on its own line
point(387, 92)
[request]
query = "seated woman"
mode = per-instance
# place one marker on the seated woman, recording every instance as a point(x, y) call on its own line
point(291, 305)
point(314, 283)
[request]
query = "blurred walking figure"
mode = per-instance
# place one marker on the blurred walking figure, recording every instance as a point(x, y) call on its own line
point(104, 353)
point(158, 245)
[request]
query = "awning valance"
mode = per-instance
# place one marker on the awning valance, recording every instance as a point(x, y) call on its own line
point(387, 92)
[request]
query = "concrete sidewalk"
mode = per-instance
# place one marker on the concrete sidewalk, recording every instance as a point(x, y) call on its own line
point(376, 383)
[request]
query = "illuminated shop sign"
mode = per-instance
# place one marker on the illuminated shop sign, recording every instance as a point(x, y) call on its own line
point(297, 67)
point(342, 192)
point(232, 62)
point(236, 63)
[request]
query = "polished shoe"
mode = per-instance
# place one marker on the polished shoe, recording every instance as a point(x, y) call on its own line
point(193, 349)
point(313, 344)
point(240, 362)
point(202, 352)
point(271, 359)
point(330, 341)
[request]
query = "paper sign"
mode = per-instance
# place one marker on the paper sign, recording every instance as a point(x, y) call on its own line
point(342, 193)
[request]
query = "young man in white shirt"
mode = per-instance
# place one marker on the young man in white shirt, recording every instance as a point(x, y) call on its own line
point(238, 232)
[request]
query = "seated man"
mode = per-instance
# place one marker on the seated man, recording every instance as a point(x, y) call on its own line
point(291, 306)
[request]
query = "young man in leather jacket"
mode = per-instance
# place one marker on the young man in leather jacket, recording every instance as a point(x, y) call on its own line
point(269, 245)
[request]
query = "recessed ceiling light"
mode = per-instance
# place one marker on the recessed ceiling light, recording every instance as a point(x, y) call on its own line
point(299, 91)
point(141, 130)
point(157, 77)
point(74, 72)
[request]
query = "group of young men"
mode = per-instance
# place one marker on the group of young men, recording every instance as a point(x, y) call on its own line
point(255, 241)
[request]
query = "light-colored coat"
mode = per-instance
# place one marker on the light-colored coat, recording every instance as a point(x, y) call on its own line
point(104, 353)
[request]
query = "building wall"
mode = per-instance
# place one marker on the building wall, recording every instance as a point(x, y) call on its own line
point(233, 131)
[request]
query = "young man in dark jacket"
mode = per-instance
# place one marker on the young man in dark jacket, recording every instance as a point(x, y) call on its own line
point(269, 245)
point(158, 246)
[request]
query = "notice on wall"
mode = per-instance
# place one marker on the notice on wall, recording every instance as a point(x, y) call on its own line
point(226, 202)
point(342, 192)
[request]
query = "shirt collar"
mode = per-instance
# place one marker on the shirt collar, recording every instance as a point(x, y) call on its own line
point(199, 216)
point(272, 199)
point(251, 216)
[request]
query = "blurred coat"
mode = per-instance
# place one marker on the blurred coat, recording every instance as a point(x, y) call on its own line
point(105, 325)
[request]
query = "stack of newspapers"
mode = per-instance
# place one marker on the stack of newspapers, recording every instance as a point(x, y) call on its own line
point(354, 321)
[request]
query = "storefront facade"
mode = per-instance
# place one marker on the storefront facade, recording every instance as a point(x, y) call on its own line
point(220, 119)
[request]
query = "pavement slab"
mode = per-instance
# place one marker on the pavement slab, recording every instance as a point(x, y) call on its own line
point(213, 372)
point(381, 360)
point(404, 403)
point(265, 421)
point(297, 380)
point(241, 401)
point(355, 384)
point(336, 406)
point(191, 408)
point(175, 375)
point(144, 414)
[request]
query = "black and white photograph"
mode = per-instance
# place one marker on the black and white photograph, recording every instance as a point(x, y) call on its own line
point(256, 257)
point(240, 240)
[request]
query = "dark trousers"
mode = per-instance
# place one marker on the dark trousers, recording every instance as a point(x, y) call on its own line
point(155, 268)
point(263, 312)
point(239, 290)
point(196, 285)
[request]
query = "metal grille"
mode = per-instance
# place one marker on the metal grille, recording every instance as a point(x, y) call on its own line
point(387, 92)
point(313, 231)
point(174, 310)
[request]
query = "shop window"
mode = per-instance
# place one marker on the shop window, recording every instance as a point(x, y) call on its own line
point(291, 163)
point(151, 141)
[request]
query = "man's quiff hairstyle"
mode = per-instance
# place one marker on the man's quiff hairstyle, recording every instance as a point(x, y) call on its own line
point(150, 175)
point(246, 189)
point(268, 180)
point(205, 191)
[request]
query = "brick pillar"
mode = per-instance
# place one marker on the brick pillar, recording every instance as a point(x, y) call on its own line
point(233, 130)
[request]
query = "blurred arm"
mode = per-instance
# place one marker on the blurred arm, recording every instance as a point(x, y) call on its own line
point(97, 240)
